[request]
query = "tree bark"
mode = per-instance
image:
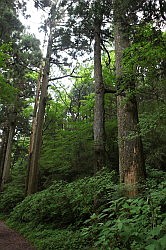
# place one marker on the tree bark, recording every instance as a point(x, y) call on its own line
point(98, 127)
point(7, 162)
point(34, 125)
point(7, 142)
point(36, 139)
point(131, 160)
point(4, 141)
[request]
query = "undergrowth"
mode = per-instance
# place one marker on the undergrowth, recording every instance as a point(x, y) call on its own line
point(91, 213)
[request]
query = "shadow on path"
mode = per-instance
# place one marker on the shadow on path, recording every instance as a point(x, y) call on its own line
point(11, 240)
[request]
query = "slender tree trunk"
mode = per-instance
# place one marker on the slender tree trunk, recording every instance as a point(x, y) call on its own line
point(4, 141)
point(7, 142)
point(98, 127)
point(131, 160)
point(7, 156)
point(32, 182)
point(7, 160)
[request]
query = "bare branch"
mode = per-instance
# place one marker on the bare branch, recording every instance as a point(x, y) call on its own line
point(68, 75)
point(108, 54)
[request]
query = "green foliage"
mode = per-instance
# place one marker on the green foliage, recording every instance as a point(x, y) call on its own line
point(67, 154)
point(10, 24)
point(91, 213)
point(67, 150)
point(153, 127)
point(29, 51)
point(11, 196)
point(14, 191)
point(130, 223)
point(52, 218)
point(144, 59)
point(7, 92)
point(57, 239)
point(62, 204)
point(144, 64)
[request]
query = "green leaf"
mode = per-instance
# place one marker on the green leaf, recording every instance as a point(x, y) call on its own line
point(163, 242)
point(120, 225)
point(151, 247)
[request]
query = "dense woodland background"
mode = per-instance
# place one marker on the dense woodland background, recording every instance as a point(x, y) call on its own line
point(84, 167)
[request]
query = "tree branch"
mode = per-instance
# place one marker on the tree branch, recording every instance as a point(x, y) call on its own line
point(107, 52)
point(68, 75)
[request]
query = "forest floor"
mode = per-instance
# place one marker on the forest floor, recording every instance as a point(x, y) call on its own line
point(11, 240)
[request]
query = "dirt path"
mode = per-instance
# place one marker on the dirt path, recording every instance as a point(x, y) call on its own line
point(11, 240)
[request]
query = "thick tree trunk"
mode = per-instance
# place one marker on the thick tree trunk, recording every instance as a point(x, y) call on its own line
point(36, 143)
point(35, 111)
point(34, 125)
point(131, 160)
point(99, 132)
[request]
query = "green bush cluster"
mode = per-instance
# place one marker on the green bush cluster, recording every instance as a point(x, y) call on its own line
point(62, 204)
point(58, 239)
point(10, 198)
point(91, 213)
point(136, 224)
point(14, 191)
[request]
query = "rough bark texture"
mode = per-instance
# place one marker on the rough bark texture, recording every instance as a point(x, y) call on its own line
point(35, 111)
point(131, 160)
point(34, 125)
point(99, 133)
point(32, 182)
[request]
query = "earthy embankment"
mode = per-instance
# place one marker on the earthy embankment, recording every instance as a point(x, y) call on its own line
point(11, 240)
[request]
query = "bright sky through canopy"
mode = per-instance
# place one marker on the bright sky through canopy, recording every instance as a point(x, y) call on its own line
point(34, 22)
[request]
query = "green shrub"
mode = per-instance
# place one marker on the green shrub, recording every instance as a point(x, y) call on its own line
point(130, 223)
point(63, 204)
point(91, 213)
point(10, 197)
point(58, 240)
point(44, 207)
point(14, 191)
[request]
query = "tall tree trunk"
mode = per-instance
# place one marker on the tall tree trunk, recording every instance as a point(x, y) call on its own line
point(131, 160)
point(35, 110)
point(36, 143)
point(98, 127)
point(3, 148)
point(7, 142)
point(34, 124)
point(7, 159)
